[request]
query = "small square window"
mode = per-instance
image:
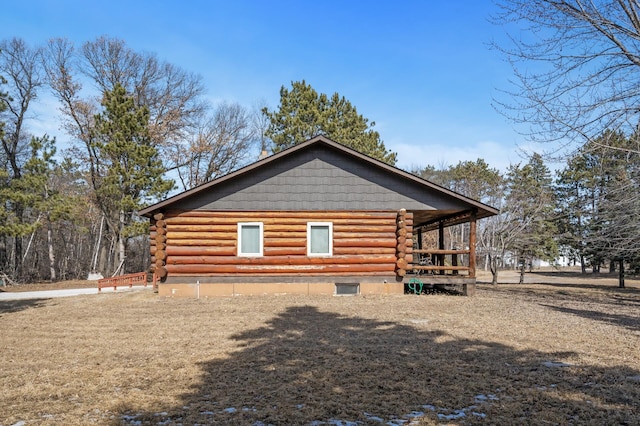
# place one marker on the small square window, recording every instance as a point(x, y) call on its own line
point(250, 237)
point(319, 239)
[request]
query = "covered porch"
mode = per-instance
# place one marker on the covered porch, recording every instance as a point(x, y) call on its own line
point(439, 262)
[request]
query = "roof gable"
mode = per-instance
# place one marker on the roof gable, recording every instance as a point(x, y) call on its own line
point(319, 174)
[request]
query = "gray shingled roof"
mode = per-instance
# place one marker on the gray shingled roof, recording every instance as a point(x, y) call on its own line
point(321, 174)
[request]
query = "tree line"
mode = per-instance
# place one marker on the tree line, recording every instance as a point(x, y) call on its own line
point(587, 212)
point(141, 128)
point(575, 67)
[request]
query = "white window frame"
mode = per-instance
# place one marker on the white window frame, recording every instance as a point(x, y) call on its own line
point(327, 224)
point(260, 225)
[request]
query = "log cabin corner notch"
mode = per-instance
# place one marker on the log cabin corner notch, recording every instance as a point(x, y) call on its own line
point(311, 219)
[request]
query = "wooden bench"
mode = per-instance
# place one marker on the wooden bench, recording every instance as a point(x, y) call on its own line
point(123, 280)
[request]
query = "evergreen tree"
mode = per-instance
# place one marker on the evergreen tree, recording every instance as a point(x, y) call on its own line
point(31, 191)
point(475, 179)
point(575, 194)
point(126, 172)
point(614, 232)
point(599, 203)
point(430, 173)
point(46, 201)
point(530, 202)
point(303, 114)
point(21, 70)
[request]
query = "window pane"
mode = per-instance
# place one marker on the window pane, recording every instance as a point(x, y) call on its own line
point(250, 239)
point(319, 239)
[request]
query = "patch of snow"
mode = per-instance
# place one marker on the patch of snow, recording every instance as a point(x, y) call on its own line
point(20, 423)
point(335, 422)
point(415, 414)
point(129, 416)
point(457, 414)
point(411, 419)
point(484, 398)
point(373, 418)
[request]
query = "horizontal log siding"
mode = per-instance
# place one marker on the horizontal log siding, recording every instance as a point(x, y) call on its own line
point(205, 243)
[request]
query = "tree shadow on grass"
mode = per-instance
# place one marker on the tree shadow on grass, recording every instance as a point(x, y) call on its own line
point(308, 367)
point(10, 306)
point(627, 321)
point(575, 279)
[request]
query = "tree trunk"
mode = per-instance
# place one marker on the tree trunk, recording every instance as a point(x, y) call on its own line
point(621, 274)
point(583, 266)
point(17, 257)
point(523, 266)
point(612, 266)
point(121, 244)
point(104, 263)
point(3, 254)
point(52, 257)
point(493, 268)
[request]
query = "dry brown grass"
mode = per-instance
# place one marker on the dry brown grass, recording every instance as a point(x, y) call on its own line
point(135, 357)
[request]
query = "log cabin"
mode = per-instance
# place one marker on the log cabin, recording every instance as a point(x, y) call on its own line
point(316, 218)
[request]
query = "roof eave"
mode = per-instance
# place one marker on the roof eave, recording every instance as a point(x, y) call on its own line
point(149, 211)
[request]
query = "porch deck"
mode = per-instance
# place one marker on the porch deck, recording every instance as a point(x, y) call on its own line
point(441, 269)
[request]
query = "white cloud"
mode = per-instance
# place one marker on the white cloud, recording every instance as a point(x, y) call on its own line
point(442, 155)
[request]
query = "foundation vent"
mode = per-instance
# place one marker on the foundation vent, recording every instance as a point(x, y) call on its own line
point(347, 289)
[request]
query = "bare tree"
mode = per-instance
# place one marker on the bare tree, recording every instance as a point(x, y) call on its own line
point(171, 96)
point(222, 143)
point(260, 124)
point(577, 66)
point(20, 67)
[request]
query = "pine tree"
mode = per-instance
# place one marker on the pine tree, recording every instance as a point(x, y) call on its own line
point(475, 179)
point(303, 114)
point(599, 204)
point(575, 194)
point(530, 202)
point(127, 172)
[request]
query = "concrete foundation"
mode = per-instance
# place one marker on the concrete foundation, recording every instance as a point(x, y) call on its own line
point(210, 289)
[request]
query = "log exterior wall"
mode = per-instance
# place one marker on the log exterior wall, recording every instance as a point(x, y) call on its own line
point(196, 251)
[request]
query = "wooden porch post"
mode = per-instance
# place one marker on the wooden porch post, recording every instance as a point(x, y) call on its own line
point(441, 245)
point(472, 243)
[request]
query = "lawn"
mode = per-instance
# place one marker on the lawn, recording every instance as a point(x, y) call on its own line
point(561, 349)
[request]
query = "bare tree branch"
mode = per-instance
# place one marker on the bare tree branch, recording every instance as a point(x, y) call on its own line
point(577, 68)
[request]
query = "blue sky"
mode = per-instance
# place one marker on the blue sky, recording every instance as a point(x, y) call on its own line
point(422, 70)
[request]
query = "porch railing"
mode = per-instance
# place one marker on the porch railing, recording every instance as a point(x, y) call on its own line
point(441, 262)
point(123, 280)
